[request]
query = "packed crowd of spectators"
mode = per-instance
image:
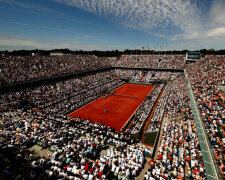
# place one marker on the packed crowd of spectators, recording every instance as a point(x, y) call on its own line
point(63, 96)
point(146, 76)
point(152, 61)
point(77, 147)
point(137, 61)
point(179, 154)
point(24, 68)
point(206, 77)
point(73, 141)
point(78, 144)
point(157, 117)
point(178, 100)
point(160, 76)
point(143, 111)
point(133, 75)
point(125, 162)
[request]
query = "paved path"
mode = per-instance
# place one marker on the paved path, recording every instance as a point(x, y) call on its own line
point(39, 153)
point(165, 119)
point(142, 174)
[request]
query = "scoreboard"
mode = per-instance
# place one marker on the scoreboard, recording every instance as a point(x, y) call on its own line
point(194, 55)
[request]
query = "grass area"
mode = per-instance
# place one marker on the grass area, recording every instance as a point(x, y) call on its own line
point(135, 136)
point(150, 138)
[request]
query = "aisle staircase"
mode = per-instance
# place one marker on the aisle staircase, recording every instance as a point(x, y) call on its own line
point(143, 75)
point(212, 171)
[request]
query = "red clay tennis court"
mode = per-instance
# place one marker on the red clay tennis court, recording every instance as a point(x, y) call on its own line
point(114, 110)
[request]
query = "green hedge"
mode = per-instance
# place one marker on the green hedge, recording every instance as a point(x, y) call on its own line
point(150, 138)
point(135, 136)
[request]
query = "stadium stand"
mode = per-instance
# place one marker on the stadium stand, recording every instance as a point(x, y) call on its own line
point(80, 149)
point(17, 68)
point(179, 153)
point(143, 111)
point(143, 76)
point(210, 99)
point(152, 61)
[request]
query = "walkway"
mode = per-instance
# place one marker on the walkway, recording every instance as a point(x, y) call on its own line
point(143, 75)
point(143, 171)
point(165, 119)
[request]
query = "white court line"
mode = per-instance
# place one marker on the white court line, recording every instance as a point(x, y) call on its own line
point(123, 107)
point(103, 103)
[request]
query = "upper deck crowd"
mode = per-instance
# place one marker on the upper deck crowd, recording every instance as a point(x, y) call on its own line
point(24, 68)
